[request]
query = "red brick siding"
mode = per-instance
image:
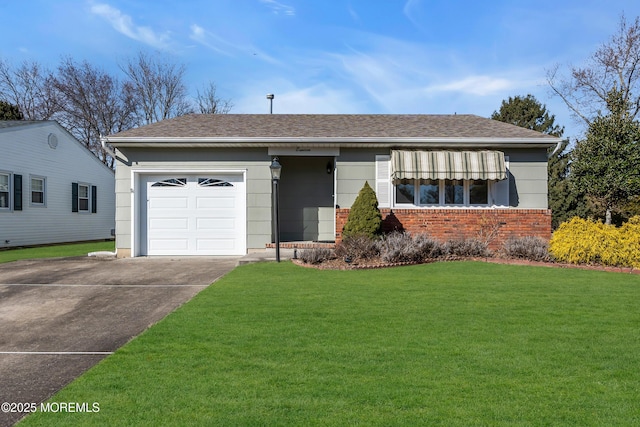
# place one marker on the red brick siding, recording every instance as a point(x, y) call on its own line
point(494, 225)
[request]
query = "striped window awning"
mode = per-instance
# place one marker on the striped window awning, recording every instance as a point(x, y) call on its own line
point(434, 165)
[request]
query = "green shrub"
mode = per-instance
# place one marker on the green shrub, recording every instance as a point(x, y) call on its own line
point(582, 241)
point(364, 216)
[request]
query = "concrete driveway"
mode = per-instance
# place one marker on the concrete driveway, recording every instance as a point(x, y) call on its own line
point(59, 317)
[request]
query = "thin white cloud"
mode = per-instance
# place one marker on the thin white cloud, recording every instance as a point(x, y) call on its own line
point(224, 47)
point(210, 40)
point(354, 14)
point(297, 98)
point(279, 8)
point(410, 9)
point(474, 85)
point(402, 77)
point(124, 24)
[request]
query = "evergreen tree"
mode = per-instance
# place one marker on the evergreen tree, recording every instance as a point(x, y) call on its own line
point(606, 165)
point(564, 201)
point(364, 215)
point(527, 112)
point(9, 111)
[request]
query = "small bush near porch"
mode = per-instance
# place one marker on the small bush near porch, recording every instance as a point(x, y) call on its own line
point(455, 344)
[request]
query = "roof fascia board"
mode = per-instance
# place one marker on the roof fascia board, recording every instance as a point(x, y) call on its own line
point(327, 142)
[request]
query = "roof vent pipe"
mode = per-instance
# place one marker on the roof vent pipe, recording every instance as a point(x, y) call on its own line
point(270, 97)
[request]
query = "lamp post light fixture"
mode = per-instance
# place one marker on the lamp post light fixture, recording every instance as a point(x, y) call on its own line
point(276, 168)
point(270, 97)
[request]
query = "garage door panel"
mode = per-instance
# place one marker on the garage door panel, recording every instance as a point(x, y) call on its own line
point(216, 202)
point(160, 201)
point(221, 225)
point(179, 244)
point(199, 215)
point(169, 223)
point(216, 244)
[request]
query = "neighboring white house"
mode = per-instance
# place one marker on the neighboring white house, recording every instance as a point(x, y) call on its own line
point(52, 188)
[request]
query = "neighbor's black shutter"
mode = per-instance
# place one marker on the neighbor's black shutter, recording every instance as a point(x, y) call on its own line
point(74, 197)
point(94, 199)
point(17, 192)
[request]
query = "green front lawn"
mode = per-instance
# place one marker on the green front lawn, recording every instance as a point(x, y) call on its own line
point(75, 249)
point(451, 344)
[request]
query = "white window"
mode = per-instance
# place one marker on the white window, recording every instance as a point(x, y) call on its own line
point(444, 192)
point(5, 190)
point(37, 191)
point(83, 198)
point(211, 182)
point(171, 182)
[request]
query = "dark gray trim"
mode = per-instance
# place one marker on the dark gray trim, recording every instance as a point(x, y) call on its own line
point(74, 197)
point(17, 192)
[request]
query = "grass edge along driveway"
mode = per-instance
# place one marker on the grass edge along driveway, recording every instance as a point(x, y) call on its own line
point(457, 343)
point(55, 251)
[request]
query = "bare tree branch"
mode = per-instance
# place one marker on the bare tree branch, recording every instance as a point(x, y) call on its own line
point(210, 103)
point(27, 86)
point(93, 103)
point(158, 87)
point(615, 64)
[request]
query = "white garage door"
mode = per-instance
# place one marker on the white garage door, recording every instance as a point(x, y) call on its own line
point(195, 215)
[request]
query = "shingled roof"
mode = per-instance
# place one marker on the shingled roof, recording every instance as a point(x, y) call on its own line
point(329, 126)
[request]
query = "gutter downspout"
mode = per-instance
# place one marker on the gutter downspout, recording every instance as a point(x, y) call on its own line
point(557, 148)
point(109, 151)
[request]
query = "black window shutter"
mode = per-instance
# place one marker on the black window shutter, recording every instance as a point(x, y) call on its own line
point(17, 192)
point(94, 199)
point(74, 197)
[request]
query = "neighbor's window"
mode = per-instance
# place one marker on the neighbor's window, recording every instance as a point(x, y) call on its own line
point(37, 191)
point(442, 192)
point(4, 191)
point(83, 198)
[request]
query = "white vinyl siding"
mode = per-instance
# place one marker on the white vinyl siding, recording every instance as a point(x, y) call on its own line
point(26, 154)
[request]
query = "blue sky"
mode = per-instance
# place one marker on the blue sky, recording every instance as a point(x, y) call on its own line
point(331, 56)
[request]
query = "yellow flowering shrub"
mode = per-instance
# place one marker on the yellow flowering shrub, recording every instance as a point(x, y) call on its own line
point(582, 241)
point(629, 241)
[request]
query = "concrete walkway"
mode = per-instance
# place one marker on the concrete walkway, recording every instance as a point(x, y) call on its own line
point(268, 255)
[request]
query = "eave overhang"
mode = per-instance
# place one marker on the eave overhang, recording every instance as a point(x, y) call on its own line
point(336, 142)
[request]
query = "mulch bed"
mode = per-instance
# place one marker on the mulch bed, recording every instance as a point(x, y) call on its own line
point(340, 264)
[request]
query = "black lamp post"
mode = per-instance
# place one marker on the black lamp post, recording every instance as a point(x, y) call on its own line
point(276, 168)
